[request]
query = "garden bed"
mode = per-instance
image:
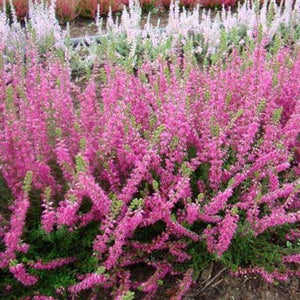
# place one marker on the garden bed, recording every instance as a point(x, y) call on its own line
point(151, 163)
point(83, 26)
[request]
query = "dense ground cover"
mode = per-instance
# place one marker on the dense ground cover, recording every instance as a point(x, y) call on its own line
point(167, 158)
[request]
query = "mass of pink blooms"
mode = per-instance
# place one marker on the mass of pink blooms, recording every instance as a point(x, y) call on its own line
point(138, 140)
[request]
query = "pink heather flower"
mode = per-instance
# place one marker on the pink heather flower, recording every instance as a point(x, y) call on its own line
point(177, 229)
point(218, 202)
point(65, 160)
point(293, 258)
point(151, 284)
point(43, 298)
point(90, 281)
point(184, 285)
point(48, 220)
point(157, 144)
point(39, 265)
point(125, 229)
point(273, 181)
point(158, 243)
point(12, 238)
point(21, 275)
point(212, 3)
point(136, 177)
point(209, 219)
point(8, 287)
point(210, 236)
point(294, 235)
point(125, 284)
point(227, 228)
point(277, 217)
point(66, 214)
point(180, 256)
point(283, 192)
point(60, 290)
point(268, 277)
point(192, 212)
point(23, 247)
point(90, 188)
point(100, 242)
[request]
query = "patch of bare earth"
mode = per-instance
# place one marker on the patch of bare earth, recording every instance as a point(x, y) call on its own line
point(82, 27)
point(215, 283)
point(220, 285)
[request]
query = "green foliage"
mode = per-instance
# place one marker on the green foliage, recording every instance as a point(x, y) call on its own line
point(80, 163)
point(136, 203)
point(200, 258)
point(277, 114)
point(265, 250)
point(246, 250)
point(148, 233)
point(5, 197)
point(49, 246)
point(116, 205)
point(201, 173)
point(100, 270)
point(128, 296)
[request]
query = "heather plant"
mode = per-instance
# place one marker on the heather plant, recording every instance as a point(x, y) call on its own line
point(12, 36)
point(168, 168)
point(43, 27)
point(41, 31)
point(247, 16)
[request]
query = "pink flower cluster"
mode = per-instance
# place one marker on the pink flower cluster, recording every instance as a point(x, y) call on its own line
point(184, 285)
point(173, 145)
point(89, 282)
point(39, 265)
point(295, 258)
point(22, 275)
point(267, 276)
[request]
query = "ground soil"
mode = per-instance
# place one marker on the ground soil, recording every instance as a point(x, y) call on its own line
point(227, 287)
point(82, 27)
point(216, 283)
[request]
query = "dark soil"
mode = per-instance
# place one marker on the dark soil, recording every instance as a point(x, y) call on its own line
point(216, 283)
point(81, 27)
point(227, 287)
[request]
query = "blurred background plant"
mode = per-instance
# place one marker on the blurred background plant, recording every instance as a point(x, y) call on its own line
point(69, 10)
